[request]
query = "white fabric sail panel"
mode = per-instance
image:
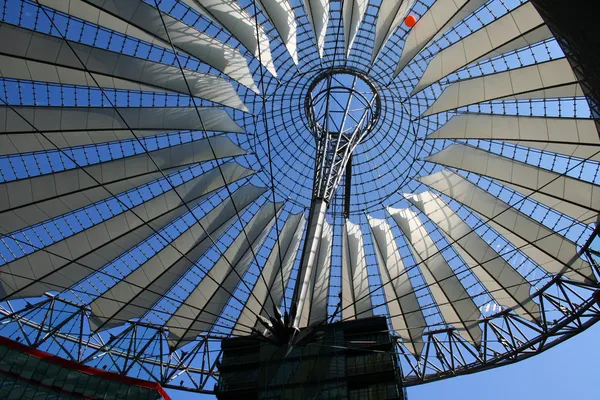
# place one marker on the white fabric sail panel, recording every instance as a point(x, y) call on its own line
point(282, 16)
point(23, 119)
point(135, 294)
point(315, 305)
point(356, 298)
point(353, 12)
point(36, 212)
point(403, 306)
point(34, 192)
point(205, 303)
point(441, 16)
point(551, 79)
point(521, 27)
point(33, 142)
point(142, 21)
point(573, 137)
point(503, 282)
point(453, 300)
point(573, 197)
point(547, 248)
point(519, 128)
point(391, 14)
point(66, 262)
point(241, 25)
point(317, 12)
point(268, 290)
point(40, 57)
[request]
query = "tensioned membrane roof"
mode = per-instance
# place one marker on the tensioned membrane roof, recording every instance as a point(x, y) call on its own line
point(156, 166)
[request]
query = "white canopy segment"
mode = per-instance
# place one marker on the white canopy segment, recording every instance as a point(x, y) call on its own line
point(356, 297)
point(548, 80)
point(519, 28)
point(57, 120)
point(241, 25)
point(317, 12)
point(354, 12)
point(268, 292)
point(574, 137)
point(576, 198)
point(205, 303)
point(403, 306)
point(545, 247)
point(391, 14)
point(39, 57)
point(315, 306)
point(282, 16)
point(26, 202)
point(506, 286)
point(441, 16)
point(453, 300)
point(140, 20)
point(142, 288)
point(69, 260)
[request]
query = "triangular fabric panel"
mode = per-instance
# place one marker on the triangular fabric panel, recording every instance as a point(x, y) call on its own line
point(206, 302)
point(403, 305)
point(506, 286)
point(551, 79)
point(519, 28)
point(35, 56)
point(454, 302)
point(26, 202)
point(135, 294)
point(441, 16)
point(66, 262)
point(545, 247)
point(356, 297)
point(576, 198)
point(268, 290)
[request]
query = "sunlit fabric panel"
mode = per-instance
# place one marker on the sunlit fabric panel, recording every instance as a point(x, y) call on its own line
point(135, 294)
point(142, 21)
point(66, 262)
point(391, 14)
point(241, 25)
point(204, 304)
point(315, 306)
point(550, 79)
point(454, 302)
point(40, 57)
point(574, 137)
point(317, 12)
point(49, 121)
point(574, 197)
point(353, 13)
point(441, 16)
point(504, 284)
point(403, 306)
point(29, 201)
point(282, 16)
point(356, 297)
point(268, 290)
point(519, 28)
point(547, 248)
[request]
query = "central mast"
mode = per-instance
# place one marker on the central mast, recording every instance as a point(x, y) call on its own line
point(342, 107)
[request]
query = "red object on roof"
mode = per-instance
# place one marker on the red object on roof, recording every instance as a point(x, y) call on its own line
point(410, 21)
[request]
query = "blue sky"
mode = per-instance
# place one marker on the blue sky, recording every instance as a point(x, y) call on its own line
point(568, 371)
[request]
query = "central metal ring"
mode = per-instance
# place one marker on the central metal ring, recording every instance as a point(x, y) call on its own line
point(342, 101)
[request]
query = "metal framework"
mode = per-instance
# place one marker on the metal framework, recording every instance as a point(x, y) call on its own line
point(158, 163)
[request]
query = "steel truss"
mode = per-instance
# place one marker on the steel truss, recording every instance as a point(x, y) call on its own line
point(60, 327)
